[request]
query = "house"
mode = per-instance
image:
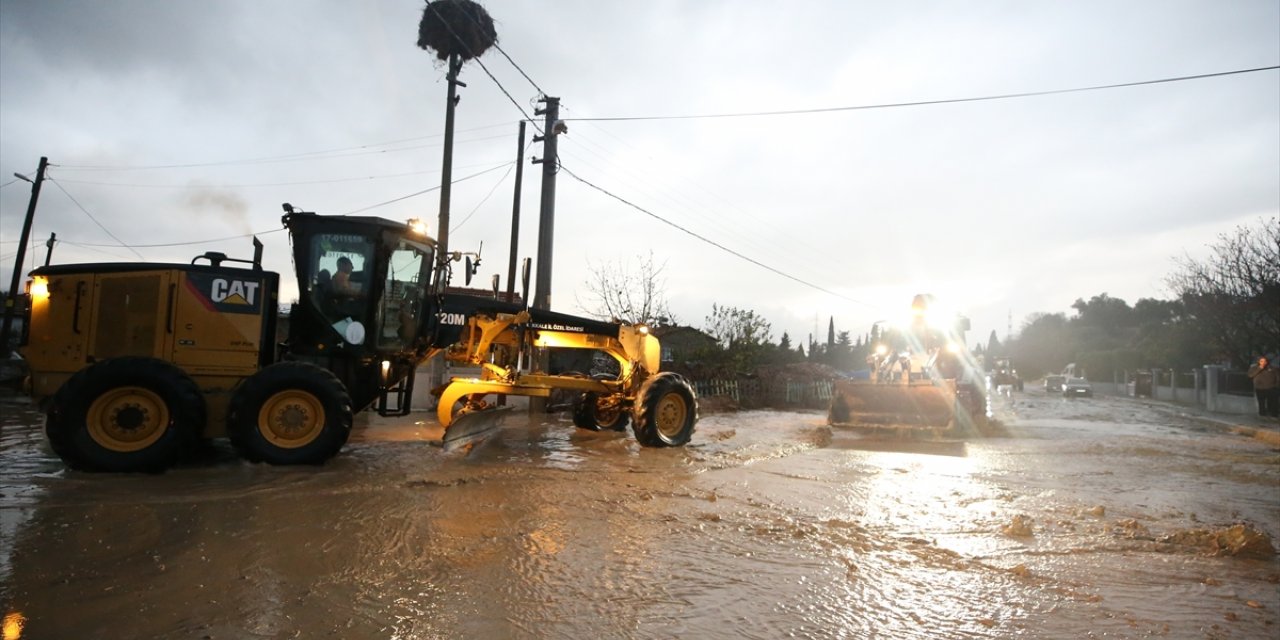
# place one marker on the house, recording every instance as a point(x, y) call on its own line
point(682, 344)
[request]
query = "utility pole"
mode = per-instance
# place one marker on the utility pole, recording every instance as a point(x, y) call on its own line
point(446, 171)
point(552, 127)
point(12, 299)
point(446, 190)
point(515, 219)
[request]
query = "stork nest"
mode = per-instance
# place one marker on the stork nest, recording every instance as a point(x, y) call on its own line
point(456, 27)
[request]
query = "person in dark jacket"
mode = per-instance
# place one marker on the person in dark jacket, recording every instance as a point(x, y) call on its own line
point(1266, 386)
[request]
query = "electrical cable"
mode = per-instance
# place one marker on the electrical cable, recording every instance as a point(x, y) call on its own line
point(180, 244)
point(893, 105)
point(265, 184)
point(95, 220)
point(477, 60)
point(8, 183)
point(473, 20)
point(485, 199)
point(706, 211)
point(428, 190)
point(330, 153)
point(714, 243)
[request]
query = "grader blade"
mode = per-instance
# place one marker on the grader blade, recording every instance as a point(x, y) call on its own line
point(473, 427)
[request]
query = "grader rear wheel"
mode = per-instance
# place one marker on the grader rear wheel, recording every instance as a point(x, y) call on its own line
point(596, 413)
point(125, 414)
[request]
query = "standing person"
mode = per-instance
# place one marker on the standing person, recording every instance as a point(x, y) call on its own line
point(1266, 386)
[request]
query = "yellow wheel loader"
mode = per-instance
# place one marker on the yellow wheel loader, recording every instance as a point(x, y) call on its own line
point(135, 363)
point(923, 382)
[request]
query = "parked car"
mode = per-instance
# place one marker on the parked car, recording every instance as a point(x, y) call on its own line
point(1054, 383)
point(1077, 387)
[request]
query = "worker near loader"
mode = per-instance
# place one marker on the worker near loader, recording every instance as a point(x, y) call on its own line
point(1266, 387)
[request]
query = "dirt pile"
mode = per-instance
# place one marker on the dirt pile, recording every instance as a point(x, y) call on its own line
point(1238, 540)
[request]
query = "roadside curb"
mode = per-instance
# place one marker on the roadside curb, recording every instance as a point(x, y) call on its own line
point(1227, 423)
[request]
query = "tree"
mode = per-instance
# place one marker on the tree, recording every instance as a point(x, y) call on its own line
point(734, 327)
point(1104, 311)
point(1232, 296)
point(636, 295)
point(744, 335)
point(1044, 344)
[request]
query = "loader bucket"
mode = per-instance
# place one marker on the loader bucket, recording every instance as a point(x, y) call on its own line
point(857, 403)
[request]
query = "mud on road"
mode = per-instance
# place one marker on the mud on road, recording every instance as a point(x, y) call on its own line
point(1093, 518)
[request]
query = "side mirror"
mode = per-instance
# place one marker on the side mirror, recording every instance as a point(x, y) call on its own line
point(469, 271)
point(494, 283)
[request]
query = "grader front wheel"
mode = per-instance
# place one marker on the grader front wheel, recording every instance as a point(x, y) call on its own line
point(290, 413)
point(666, 411)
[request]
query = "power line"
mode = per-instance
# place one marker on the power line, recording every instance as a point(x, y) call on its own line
point(473, 56)
point(713, 242)
point(365, 149)
point(8, 183)
point(473, 20)
point(894, 105)
point(260, 184)
point(486, 198)
point(179, 244)
point(429, 190)
point(704, 209)
point(95, 220)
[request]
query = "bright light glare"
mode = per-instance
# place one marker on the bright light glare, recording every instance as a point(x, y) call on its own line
point(417, 226)
point(39, 288)
point(13, 624)
point(881, 349)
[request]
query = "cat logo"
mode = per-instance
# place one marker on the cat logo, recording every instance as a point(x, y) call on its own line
point(233, 291)
point(452, 318)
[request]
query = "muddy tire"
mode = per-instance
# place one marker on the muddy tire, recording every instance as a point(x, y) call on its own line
point(125, 414)
point(666, 411)
point(290, 413)
point(590, 413)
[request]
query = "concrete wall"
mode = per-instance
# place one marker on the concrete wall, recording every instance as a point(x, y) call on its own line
point(1205, 396)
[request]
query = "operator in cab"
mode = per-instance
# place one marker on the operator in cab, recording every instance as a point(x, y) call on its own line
point(342, 284)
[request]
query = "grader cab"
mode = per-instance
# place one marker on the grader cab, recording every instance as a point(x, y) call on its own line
point(136, 363)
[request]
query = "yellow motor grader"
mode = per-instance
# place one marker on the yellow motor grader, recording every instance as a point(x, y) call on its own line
point(135, 363)
point(922, 382)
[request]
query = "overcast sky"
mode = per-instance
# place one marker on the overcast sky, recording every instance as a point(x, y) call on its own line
point(1000, 208)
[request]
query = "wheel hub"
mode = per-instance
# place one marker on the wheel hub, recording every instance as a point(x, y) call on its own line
point(291, 419)
point(127, 419)
point(670, 416)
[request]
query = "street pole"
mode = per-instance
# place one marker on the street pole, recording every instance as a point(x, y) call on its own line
point(546, 226)
point(446, 170)
point(11, 300)
point(446, 189)
point(547, 212)
point(515, 218)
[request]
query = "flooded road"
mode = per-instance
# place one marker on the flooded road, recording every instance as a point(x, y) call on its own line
point(1099, 518)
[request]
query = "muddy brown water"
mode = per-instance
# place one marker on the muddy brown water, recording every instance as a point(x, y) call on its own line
point(1093, 518)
